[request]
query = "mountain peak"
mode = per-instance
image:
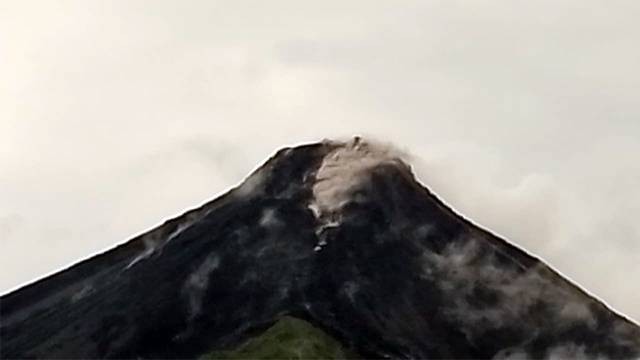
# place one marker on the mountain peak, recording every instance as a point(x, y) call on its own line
point(345, 168)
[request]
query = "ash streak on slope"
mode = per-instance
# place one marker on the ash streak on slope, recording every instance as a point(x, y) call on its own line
point(343, 169)
point(197, 283)
point(341, 172)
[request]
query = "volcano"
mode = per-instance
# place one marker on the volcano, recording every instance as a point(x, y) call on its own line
point(334, 242)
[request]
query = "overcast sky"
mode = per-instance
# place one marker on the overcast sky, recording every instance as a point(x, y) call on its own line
point(523, 115)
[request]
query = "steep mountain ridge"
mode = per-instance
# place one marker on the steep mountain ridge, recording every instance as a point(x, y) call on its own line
point(337, 233)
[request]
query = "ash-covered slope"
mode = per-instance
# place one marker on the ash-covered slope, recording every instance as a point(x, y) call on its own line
point(338, 234)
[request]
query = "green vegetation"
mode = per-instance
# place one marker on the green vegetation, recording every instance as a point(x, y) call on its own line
point(289, 338)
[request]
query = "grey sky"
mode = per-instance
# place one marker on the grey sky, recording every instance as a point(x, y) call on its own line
point(523, 115)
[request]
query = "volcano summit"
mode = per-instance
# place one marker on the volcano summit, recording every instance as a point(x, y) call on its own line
point(336, 240)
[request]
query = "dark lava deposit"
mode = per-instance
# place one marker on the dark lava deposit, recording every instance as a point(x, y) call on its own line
point(337, 234)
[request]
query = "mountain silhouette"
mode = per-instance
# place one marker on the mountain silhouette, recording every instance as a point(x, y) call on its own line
point(339, 236)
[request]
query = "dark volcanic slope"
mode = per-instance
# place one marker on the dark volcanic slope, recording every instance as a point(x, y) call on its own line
point(339, 234)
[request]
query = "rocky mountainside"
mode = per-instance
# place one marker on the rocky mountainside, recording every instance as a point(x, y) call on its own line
point(336, 235)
